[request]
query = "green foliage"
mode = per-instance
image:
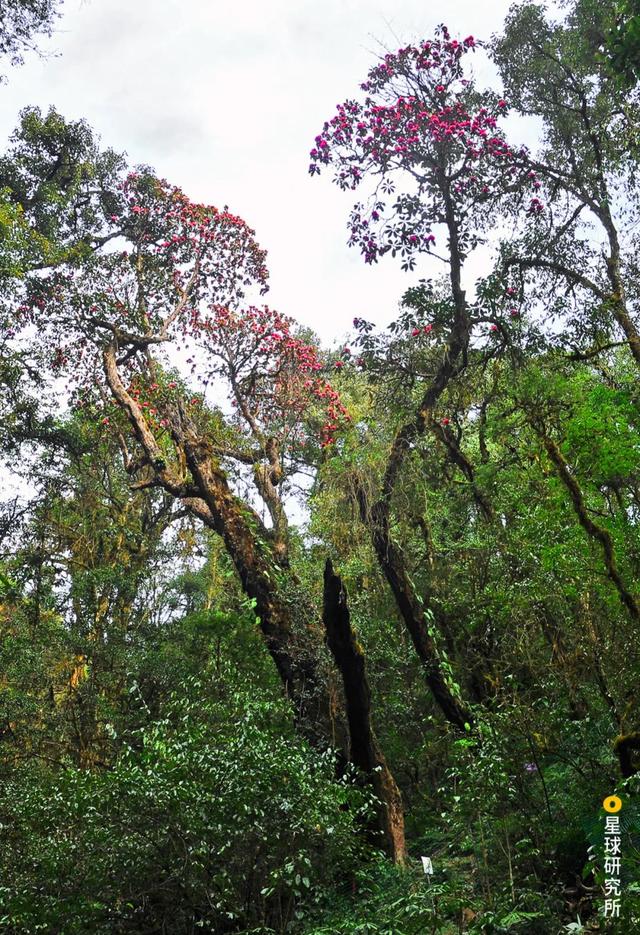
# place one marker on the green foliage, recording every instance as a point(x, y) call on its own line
point(58, 187)
point(387, 901)
point(622, 44)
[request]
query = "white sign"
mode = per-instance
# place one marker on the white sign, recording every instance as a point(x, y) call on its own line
point(427, 865)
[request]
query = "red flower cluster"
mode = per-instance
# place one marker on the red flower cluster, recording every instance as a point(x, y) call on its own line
point(273, 374)
point(419, 117)
point(161, 217)
point(179, 257)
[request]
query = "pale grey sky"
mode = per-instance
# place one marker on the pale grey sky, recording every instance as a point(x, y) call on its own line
point(224, 99)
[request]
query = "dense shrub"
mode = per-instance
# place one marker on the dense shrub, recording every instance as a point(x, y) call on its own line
point(217, 819)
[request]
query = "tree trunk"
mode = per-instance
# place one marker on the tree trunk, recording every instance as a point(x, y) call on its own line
point(413, 615)
point(293, 642)
point(364, 750)
point(623, 747)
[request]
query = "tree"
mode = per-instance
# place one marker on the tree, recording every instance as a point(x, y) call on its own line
point(57, 187)
point(586, 165)
point(102, 317)
point(470, 478)
point(422, 122)
point(122, 305)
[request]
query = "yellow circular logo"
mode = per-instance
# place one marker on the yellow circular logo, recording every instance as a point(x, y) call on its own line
point(612, 803)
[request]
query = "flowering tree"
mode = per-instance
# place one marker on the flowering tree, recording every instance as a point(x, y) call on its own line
point(426, 136)
point(180, 283)
point(174, 277)
point(284, 406)
point(179, 255)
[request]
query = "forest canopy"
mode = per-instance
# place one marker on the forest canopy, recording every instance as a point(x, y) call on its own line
point(280, 619)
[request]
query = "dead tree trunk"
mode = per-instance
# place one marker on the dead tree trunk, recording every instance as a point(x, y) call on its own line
point(364, 749)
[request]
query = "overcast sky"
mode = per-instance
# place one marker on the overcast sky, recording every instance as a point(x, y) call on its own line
point(224, 99)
